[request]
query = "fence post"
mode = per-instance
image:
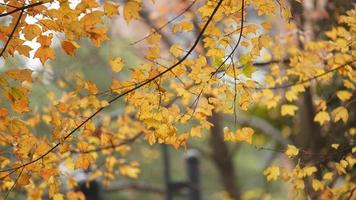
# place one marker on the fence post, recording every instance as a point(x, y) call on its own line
point(192, 159)
point(166, 172)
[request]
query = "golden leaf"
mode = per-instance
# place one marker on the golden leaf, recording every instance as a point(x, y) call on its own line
point(110, 8)
point(31, 31)
point(292, 151)
point(322, 117)
point(340, 113)
point(131, 10)
point(44, 53)
point(288, 109)
point(344, 95)
point(272, 173)
point(116, 64)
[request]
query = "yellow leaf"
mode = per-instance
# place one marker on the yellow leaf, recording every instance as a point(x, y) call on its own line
point(182, 26)
point(292, 151)
point(153, 52)
point(228, 134)
point(328, 176)
point(131, 10)
point(110, 8)
point(20, 74)
point(84, 161)
point(340, 113)
point(292, 94)
point(69, 47)
point(322, 117)
point(309, 170)
point(317, 185)
point(176, 50)
point(271, 173)
point(154, 38)
point(341, 167)
point(244, 135)
point(288, 109)
point(344, 95)
point(130, 170)
point(335, 146)
point(116, 64)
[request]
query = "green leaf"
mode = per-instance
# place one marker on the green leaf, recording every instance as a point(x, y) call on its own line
point(248, 70)
point(244, 59)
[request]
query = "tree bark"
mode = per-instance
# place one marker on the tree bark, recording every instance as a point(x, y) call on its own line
point(222, 157)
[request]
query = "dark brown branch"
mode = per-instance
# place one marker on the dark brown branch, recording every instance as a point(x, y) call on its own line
point(22, 8)
point(238, 41)
point(12, 33)
point(124, 93)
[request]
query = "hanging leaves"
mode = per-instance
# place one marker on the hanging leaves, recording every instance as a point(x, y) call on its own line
point(207, 59)
point(131, 10)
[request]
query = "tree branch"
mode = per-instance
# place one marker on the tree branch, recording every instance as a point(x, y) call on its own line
point(112, 146)
point(12, 33)
point(124, 93)
point(22, 8)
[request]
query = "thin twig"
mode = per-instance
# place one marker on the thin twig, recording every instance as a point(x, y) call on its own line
point(13, 185)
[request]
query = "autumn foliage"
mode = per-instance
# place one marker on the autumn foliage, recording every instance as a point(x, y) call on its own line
point(222, 63)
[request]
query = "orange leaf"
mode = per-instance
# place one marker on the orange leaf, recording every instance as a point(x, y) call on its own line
point(44, 53)
point(69, 47)
point(45, 41)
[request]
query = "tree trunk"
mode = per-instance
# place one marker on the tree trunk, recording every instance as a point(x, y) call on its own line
point(222, 157)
